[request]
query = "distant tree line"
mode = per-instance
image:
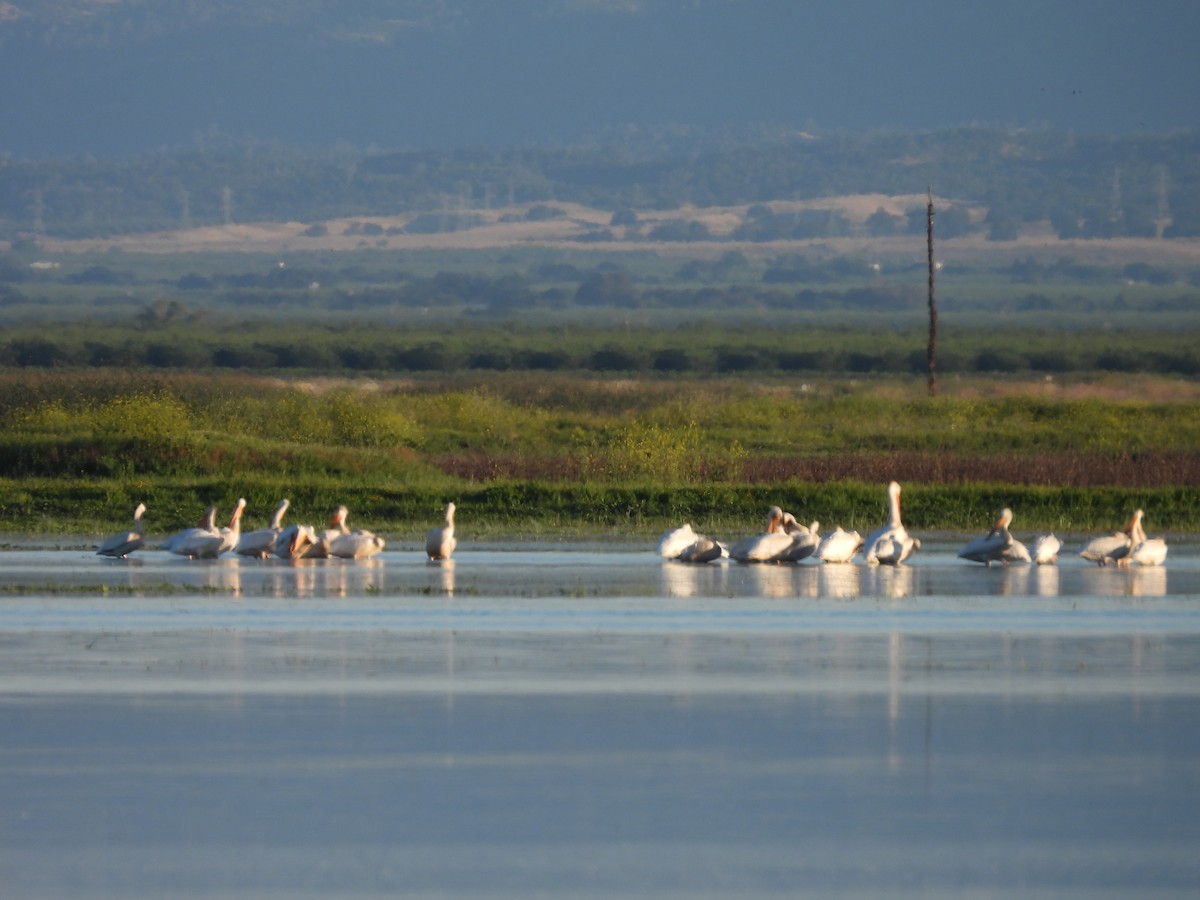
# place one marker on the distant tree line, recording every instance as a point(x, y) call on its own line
point(1085, 186)
point(379, 351)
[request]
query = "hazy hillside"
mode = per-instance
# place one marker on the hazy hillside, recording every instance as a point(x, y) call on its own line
point(117, 77)
point(767, 186)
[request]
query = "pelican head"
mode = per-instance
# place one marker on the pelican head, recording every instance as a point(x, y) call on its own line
point(774, 519)
point(1134, 529)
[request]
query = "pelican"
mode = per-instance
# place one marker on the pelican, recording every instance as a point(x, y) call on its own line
point(1045, 549)
point(200, 542)
point(301, 542)
point(764, 547)
point(123, 543)
point(440, 542)
point(261, 543)
point(839, 546)
point(997, 544)
point(891, 543)
point(1146, 551)
point(702, 550)
point(1114, 547)
point(894, 548)
point(805, 539)
point(232, 533)
point(347, 544)
point(675, 541)
point(685, 545)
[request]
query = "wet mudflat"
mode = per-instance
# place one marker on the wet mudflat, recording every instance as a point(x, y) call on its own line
point(594, 722)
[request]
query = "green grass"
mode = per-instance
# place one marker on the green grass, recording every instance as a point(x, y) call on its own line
point(569, 455)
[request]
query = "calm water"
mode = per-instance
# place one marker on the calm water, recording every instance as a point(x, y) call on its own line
point(595, 722)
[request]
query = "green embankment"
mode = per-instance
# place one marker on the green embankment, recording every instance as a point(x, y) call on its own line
point(543, 457)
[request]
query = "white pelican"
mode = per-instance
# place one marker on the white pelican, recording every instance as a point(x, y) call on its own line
point(347, 544)
point(685, 545)
point(440, 542)
point(123, 543)
point(839, 546)
point(894, 548)
point(805, 539)
point(997, 544)
point(890, 544)
point(764, 547)
point(232, 533)
point(1045, 549)
point(1016, 552)
point(1113, 547)
point(301, 542)
point(261, 543)
point(1146, 551)
point(675, 541)
point(200, 542)
point(702, 550)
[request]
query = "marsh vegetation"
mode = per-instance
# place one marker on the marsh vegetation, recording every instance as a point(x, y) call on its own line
point(569, 453)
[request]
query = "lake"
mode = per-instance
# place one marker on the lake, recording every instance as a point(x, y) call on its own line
point(590, 721)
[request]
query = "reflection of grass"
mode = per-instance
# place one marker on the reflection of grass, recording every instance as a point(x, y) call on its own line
point(543, 456)
point(105, 590)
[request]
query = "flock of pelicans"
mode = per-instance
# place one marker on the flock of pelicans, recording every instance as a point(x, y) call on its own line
point(206, 541)
point(786, 540)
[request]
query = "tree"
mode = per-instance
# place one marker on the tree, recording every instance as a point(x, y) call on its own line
point(882, 223)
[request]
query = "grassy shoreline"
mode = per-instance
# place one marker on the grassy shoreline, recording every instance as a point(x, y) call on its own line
point(579, 456)
point(548, 511)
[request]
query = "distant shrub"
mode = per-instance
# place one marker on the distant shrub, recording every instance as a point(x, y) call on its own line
point(243, 358)
point(358, 421)
point(998, 361)
point(544, 213)
point(489, 359)
point(548, 360)
point(680, 230)
point(36, 352)
point(645, 452)
point(144, 415)
point(612, 360)
point(672, 360)
point(736, 359)
point(423, 358)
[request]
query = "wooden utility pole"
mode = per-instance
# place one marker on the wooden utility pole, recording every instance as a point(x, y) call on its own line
point(932, 359)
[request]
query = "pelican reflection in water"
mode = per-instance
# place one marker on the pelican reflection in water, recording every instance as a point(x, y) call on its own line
point(1045, 580)
point(1148, 581)
point(840, 581)
point(769, 581)
point(889, 581)
point(351, 577)
point(445, 570)
point(683, 579)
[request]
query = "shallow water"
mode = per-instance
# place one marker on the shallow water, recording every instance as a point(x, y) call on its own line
point(591, 722)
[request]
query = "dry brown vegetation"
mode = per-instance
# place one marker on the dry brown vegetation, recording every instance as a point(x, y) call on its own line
point(506, 227)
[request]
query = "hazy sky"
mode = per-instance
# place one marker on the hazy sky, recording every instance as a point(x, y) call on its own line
point(522, 71)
